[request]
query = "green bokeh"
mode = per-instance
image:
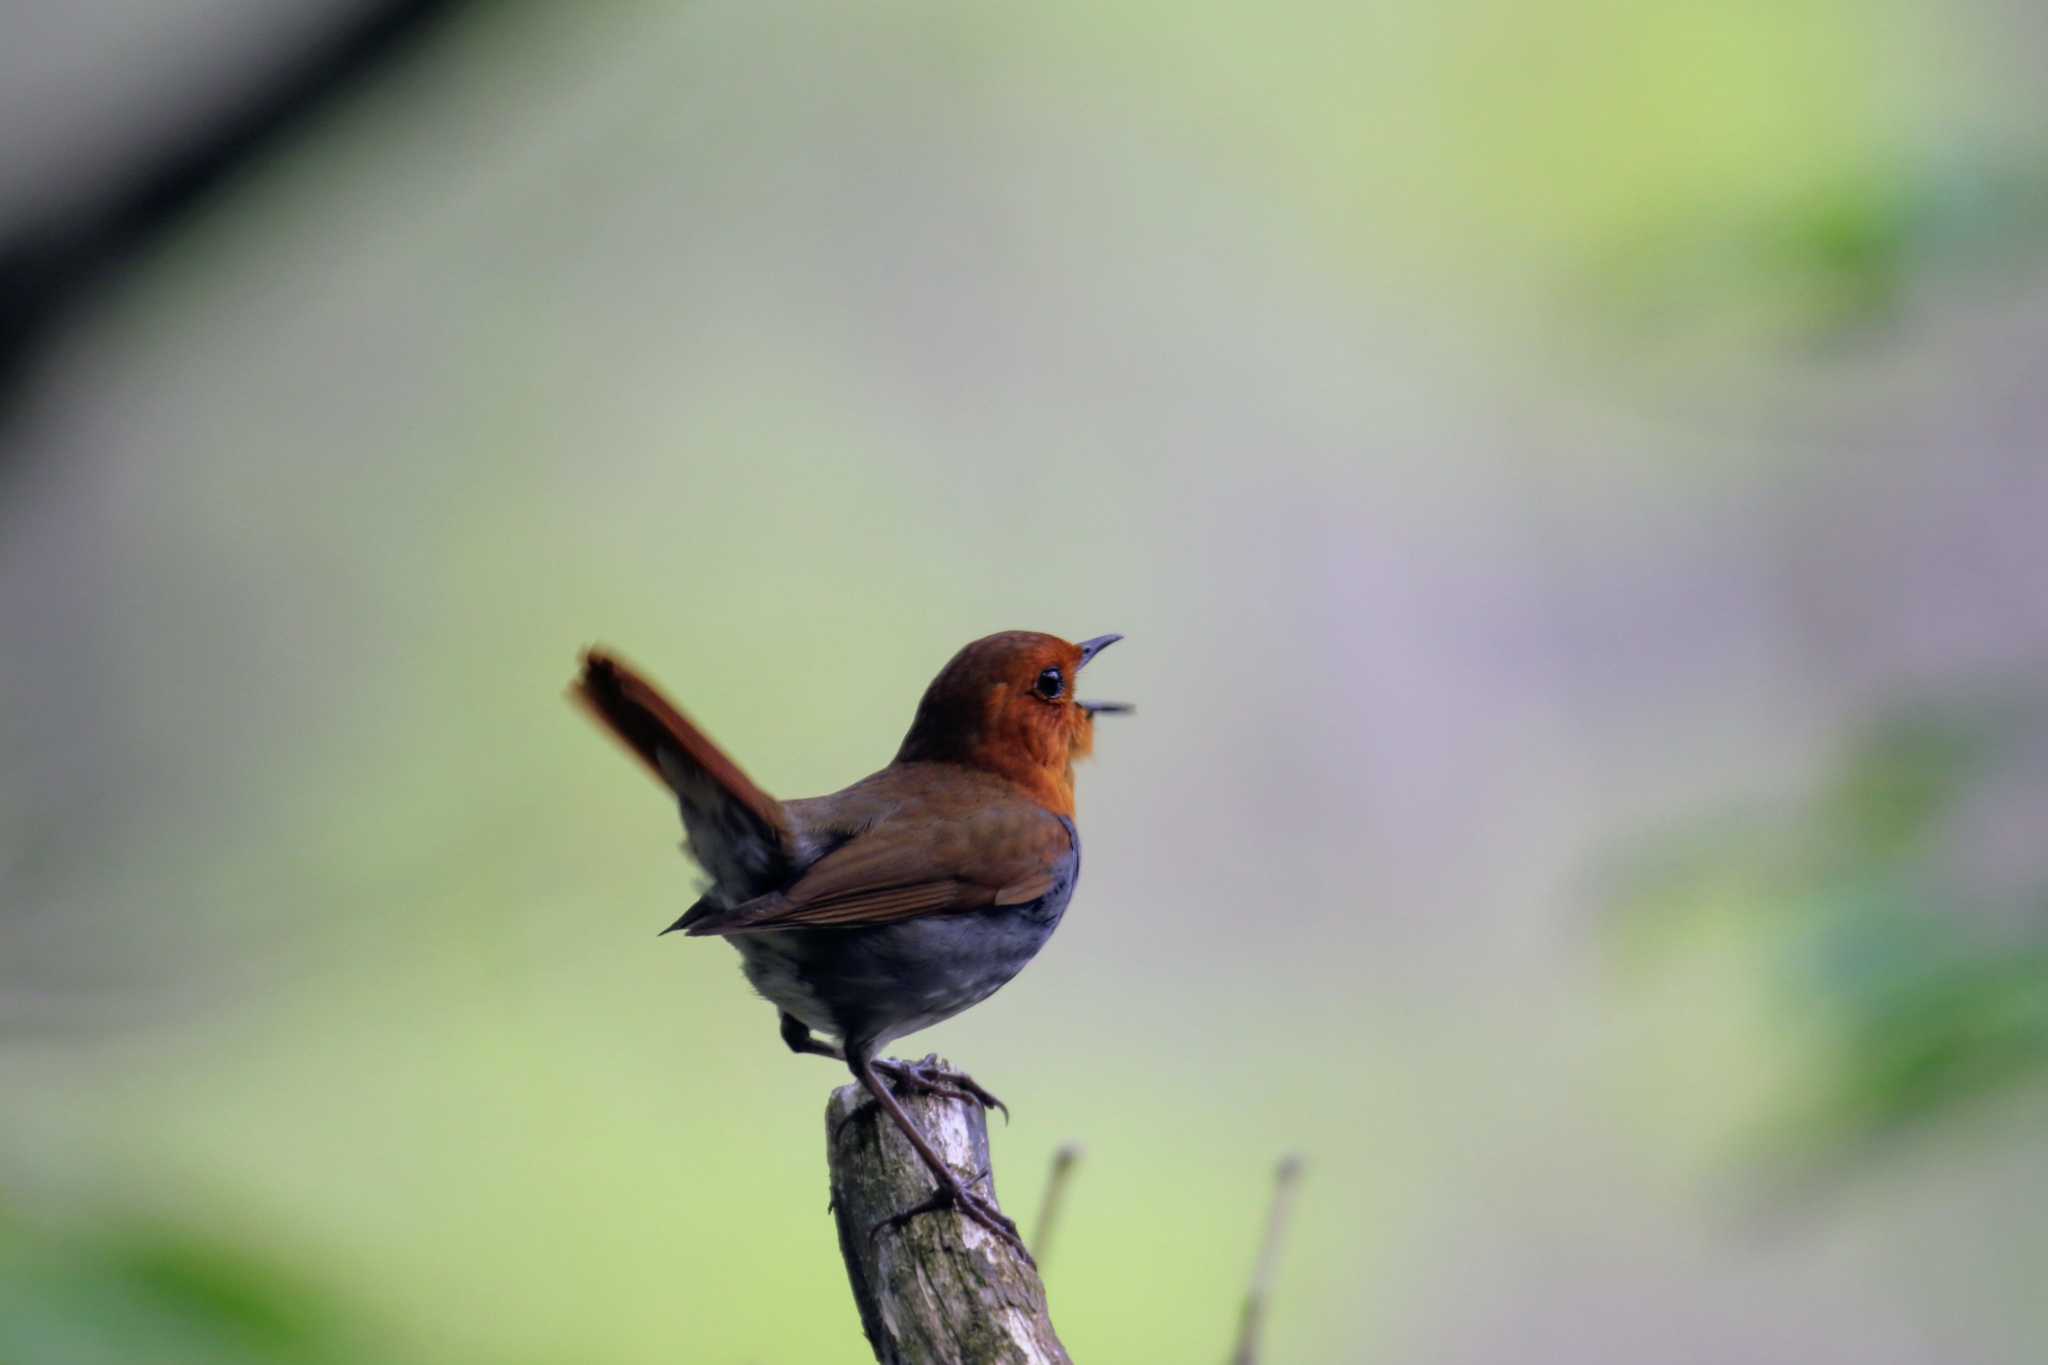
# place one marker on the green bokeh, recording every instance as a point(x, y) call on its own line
point(1358, 363)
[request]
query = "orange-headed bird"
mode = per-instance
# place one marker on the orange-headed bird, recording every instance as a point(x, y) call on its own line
point(912, 894)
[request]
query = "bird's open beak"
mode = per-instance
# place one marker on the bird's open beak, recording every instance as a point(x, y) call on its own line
point(1089, 649)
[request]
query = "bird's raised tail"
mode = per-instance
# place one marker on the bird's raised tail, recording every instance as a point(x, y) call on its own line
point(737, 831)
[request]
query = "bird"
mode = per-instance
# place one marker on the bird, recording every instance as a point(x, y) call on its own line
point(911, 895)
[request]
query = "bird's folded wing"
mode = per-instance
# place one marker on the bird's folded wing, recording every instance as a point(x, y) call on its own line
point(915, 865)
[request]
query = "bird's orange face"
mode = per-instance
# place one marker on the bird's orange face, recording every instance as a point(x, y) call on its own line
point(1006, 704)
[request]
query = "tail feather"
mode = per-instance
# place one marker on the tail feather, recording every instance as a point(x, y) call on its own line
point(737, 831)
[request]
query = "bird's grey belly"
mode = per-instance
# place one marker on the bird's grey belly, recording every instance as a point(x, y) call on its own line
point(877, 983)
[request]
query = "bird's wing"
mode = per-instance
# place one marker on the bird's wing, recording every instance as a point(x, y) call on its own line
point(737, 831)
point(916, 863)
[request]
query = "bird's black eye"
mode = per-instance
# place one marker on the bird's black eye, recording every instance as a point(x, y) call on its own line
point(1050, 684)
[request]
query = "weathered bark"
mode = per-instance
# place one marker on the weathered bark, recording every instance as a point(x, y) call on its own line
point(940, 1290)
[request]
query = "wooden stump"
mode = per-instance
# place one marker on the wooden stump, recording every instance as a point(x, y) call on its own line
point(940, 1290)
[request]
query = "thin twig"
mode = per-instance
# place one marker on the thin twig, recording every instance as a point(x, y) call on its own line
point(1055, 1188)
point(1286, 1177)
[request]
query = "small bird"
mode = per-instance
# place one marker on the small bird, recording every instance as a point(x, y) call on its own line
point(909, 896)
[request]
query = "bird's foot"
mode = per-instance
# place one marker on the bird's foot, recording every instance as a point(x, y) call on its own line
point(929, 1078)
point(952, 1194)
point(924, 1078)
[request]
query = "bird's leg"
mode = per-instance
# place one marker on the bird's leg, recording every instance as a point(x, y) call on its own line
point(952, 1192)
point(925, 1077)
point(796, 1035)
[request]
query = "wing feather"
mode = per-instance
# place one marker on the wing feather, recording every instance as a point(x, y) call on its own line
point(1008, 853)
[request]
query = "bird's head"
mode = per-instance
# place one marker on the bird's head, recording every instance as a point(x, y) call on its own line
point(1005, 704)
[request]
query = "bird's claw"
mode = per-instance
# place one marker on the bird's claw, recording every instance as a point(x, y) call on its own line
point(928, 1077)
point(866, 1108)
point(861, 1110)
point(954, 1195)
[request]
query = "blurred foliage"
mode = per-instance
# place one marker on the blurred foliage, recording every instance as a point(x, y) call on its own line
point(163, 1294)
point(1906, 973)
point(1834, 260)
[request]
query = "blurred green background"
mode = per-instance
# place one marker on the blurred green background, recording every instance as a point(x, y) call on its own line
point(1571, 476)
